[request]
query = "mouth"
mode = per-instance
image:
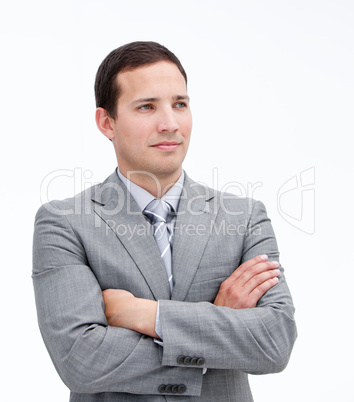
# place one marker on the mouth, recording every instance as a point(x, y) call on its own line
point(166, 146)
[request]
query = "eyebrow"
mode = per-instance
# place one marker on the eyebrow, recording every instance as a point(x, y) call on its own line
point(154, 99)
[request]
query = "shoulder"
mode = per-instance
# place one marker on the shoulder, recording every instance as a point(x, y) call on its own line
point(78, 205)
point(226, 202)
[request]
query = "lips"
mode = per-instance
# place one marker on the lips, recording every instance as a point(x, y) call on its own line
point(166, 146)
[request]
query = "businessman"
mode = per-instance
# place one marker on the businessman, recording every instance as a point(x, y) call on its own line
point(149, 286)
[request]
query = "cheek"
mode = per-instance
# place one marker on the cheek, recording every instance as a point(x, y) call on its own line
point(133, 133)
point(186, 125)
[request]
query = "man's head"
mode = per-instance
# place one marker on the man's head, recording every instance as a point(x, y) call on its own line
point(126, 58)
point(146, 114)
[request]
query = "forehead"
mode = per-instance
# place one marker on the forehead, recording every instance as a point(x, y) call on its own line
point(162, 77)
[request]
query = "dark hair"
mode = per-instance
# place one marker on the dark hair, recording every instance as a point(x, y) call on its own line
point(125, 58)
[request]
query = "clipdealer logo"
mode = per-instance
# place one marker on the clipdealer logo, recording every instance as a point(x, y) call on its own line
point(296, 201)
point(295, 197)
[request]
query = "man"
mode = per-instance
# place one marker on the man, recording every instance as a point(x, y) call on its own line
point(126, 318)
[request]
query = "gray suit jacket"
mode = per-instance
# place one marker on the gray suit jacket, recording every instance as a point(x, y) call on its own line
point(99, 240)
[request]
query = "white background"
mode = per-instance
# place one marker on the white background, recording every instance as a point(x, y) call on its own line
point(271, 84)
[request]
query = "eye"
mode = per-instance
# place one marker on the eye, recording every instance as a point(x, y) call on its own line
point(180, 105)
point(145, 107)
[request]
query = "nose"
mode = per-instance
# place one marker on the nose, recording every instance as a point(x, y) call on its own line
point(167, 122)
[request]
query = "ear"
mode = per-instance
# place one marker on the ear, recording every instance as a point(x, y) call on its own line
point(104, 123)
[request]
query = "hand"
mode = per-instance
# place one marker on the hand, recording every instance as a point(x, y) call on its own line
point(125, 310)
point(248, 283)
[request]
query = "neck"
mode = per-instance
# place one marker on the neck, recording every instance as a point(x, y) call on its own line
point(157, 186)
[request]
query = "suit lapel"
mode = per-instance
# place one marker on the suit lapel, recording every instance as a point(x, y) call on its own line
point(118, 209)
point(192, 231)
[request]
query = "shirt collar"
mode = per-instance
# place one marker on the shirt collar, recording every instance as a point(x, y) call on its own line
point(143, 197)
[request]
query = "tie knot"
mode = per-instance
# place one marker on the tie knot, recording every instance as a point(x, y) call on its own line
point(158, 211)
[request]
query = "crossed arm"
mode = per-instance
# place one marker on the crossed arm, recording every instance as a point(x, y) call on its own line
point(242, 289)
point(73, 317)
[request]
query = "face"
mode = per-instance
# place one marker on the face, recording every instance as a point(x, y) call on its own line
point(153, 125)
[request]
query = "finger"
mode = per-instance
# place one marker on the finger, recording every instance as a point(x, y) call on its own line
point(257, 280)
point(250, 279)
point(259, 291)
point(248, 271)
point(255, 270)
point(248, 265)
point(253, 261)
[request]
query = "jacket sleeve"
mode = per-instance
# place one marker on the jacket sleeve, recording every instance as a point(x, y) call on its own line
point(257, 340)
point(89, 355)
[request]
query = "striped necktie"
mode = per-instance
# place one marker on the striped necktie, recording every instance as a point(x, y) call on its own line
point(159, 214)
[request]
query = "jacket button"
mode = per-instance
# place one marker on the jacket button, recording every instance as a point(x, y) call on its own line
point(174, 389)
point(194, 361)
point(162, 388)
point(200, 361)
point(182, 389)
point(168, 388)
point(180, 359)
point(187, 360)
